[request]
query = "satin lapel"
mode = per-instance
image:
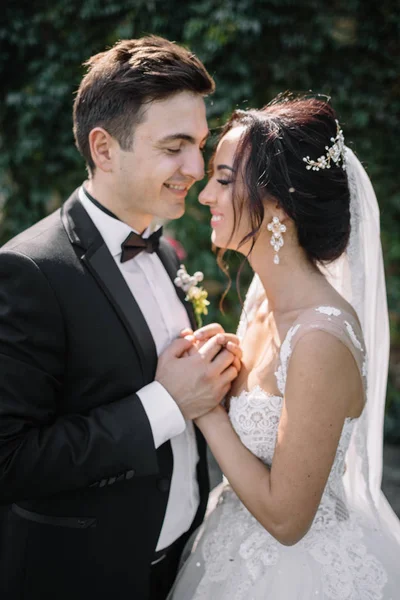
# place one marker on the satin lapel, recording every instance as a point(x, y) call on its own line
point(167, 256)
point(101, 265)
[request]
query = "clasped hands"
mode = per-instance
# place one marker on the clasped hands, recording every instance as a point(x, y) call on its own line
point(198, 369)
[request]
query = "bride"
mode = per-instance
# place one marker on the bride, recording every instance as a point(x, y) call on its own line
point(300, 514)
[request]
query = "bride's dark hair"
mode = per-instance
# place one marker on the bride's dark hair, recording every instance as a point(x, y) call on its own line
point(269, 158)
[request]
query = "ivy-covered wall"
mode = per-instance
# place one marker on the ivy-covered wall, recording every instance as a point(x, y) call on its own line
point(347, 49)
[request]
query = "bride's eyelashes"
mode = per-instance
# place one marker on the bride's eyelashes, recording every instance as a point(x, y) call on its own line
point(224, 181)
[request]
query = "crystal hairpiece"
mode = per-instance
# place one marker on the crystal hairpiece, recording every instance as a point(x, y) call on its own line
point(335, 153)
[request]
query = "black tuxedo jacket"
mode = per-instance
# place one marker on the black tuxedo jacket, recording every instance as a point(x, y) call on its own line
point(84, 491)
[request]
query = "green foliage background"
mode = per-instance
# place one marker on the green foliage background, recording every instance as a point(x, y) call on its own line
point(347, 49)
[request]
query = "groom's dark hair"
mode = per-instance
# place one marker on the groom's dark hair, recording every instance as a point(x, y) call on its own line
point(123, 79)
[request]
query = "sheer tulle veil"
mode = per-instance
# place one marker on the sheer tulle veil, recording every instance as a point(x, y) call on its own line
point(359, 276)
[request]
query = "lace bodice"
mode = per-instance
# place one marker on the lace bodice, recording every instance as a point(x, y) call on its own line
point(255, 417)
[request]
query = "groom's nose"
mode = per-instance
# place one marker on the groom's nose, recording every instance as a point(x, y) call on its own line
point(193, 166)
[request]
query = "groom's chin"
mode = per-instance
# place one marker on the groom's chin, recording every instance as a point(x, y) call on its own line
point(177, 212)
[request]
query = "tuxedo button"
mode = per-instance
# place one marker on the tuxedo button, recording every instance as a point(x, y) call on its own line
point(112, 480)
point(163, 484)
point(129, 474)
point(103, 482)
point(82, 522)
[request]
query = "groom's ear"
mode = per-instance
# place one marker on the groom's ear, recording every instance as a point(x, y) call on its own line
point(102, 148)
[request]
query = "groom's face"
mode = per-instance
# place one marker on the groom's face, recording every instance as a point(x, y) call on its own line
point(153, 178)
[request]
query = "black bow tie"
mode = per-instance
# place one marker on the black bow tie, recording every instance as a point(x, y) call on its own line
point(134, 244)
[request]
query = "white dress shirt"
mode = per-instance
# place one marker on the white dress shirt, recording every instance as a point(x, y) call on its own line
point(165, 316)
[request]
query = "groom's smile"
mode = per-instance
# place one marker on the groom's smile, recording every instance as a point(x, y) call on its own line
point(178, 189)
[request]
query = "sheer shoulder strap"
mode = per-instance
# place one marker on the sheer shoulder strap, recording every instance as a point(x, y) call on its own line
point(254, 295)
point(342, 324)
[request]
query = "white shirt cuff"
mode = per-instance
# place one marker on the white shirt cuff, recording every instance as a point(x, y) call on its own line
point(166, 419)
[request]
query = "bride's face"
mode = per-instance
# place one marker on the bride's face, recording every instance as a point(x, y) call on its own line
point(217, 195)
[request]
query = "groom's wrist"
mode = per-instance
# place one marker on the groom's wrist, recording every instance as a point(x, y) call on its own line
point(165, 417)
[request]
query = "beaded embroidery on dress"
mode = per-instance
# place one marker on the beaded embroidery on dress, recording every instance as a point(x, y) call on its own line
point(342, 557)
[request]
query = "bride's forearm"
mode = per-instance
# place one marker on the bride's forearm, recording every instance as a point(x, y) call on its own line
point(248, 476)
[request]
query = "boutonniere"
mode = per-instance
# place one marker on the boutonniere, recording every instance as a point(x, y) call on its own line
point(194, 294)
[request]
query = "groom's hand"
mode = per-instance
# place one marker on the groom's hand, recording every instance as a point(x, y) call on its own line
point(199, 381)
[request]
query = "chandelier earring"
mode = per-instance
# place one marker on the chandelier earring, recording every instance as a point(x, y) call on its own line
point(277, 228)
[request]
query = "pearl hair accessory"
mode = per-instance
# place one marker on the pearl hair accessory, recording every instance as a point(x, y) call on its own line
point(335, 153)
point(277, 242)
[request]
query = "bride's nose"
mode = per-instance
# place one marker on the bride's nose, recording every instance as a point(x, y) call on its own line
point(206, 196)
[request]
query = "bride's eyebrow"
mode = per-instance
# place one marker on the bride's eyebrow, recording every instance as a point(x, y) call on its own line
point(222, 167)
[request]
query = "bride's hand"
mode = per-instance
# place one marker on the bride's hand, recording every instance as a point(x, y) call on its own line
point(229, 340)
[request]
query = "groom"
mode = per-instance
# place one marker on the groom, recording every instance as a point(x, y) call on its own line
point(103, 473)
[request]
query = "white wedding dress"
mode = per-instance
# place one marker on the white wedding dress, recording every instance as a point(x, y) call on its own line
point(344, 556)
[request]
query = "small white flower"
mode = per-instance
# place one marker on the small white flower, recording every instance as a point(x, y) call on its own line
point(198, 276)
